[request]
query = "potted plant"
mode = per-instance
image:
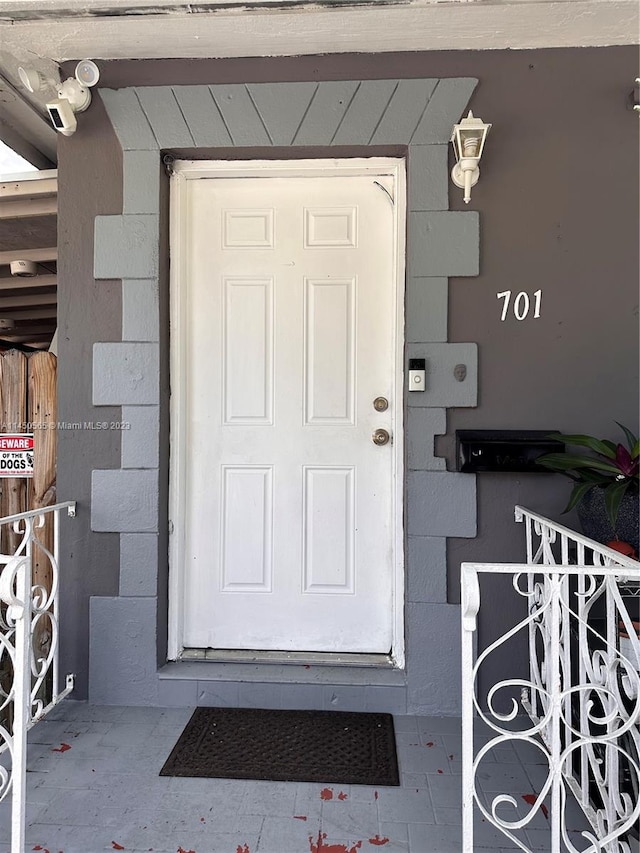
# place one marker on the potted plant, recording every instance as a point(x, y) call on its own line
point(605, 490)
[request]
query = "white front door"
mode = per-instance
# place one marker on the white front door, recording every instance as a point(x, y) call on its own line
point(288, 295)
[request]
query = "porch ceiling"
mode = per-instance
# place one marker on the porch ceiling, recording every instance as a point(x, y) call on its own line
point(28, 224)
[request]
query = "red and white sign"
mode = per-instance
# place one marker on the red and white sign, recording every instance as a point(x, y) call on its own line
point(16, 454)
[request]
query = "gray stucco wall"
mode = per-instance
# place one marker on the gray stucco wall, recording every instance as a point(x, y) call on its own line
point(87, 309)
point(542, 226)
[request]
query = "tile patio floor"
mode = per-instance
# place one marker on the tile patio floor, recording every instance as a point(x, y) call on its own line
point(104, 793)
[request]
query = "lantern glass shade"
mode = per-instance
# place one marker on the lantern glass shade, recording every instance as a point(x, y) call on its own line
point(468, 138)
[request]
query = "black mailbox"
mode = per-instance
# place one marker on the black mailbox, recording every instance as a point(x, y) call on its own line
point(503, 450)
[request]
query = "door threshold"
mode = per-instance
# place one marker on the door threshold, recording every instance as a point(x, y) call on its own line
point(295, 658)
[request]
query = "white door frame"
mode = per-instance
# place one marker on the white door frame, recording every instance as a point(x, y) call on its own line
point(184, 171)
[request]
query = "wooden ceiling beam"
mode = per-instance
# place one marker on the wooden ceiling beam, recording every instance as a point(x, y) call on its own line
point(29, 207)
point(21, 301)
point(24, 189)
point(37, 255)
point(16, 282)
point(27, 327)
point(25, 339)
point(33, 314)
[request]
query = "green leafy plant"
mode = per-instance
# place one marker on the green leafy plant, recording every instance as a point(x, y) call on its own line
point(613, 467)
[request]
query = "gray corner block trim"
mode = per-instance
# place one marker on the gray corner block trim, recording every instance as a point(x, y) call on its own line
point(428, 168)
point(125, 373)
point(446, 386)
point(124, 501)
point(418, 113)
point(446, 107)
point(427, 565)
point(363, 114)
point(240, 116)
point(325, 113)
point(427, 313)
point(140, 436)
point(141, 186)
point(140, 310)
point(164, 115)
point(126, 246)
point(129, 121)
point(282, 107)
point(138, 564)
point(434, 679)
point(202, 115)
point(357, 112)
point(441, 503)
point(422, 426)
point(402, 115)
point(122, 651)
point(444, 243)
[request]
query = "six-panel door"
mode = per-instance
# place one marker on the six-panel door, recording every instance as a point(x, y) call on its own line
point(289, 503)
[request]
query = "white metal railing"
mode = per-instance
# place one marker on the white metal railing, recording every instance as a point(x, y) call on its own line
point(579, 707)
point(29, 621)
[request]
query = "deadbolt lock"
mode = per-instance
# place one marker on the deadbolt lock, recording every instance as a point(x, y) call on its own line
point(381, 404)
point(380, 437)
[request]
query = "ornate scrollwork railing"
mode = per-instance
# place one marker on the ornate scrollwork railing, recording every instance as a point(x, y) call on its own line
point(580, 698)
point(29, 627)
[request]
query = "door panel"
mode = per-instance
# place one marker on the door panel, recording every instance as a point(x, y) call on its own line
point(290, 512)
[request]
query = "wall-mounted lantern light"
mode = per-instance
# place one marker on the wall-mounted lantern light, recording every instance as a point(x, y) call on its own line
point(468, 139)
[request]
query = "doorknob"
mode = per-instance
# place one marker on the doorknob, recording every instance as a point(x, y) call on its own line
point(380, 437)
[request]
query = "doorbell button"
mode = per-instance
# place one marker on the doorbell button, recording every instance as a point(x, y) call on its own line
point(417, 374)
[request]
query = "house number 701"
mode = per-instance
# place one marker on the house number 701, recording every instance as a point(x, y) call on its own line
point(521, 304)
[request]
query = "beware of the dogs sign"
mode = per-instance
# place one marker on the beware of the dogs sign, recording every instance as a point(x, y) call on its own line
point(16, 455)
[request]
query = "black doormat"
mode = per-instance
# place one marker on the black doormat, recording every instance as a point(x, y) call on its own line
point(287, 746)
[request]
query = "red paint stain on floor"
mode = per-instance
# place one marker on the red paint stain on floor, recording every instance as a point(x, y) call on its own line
point(320, 846)
point(117, 846)
point(62, 748)
point(376, 795)
point(378, 842)
point(451, 757)
point(342, 795)
point(326, 794)
point(242, 849)
point(182, 850)
point(430, 743)
point(299, 817)
point(531, 798)
point(440, 771)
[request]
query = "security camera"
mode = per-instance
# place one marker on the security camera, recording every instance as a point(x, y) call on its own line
point(73, 97)
point(62, 116)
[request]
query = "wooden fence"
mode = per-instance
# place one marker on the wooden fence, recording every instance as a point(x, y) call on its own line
point(28, 405)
